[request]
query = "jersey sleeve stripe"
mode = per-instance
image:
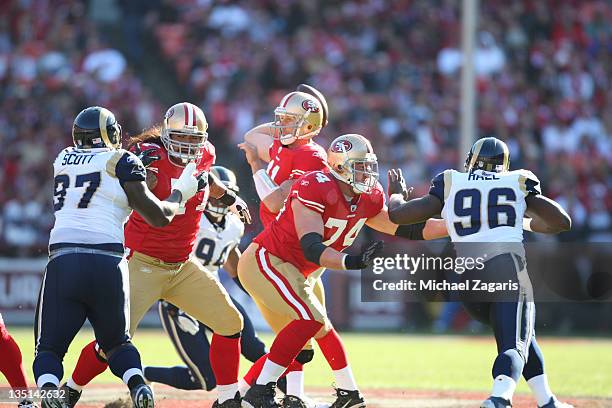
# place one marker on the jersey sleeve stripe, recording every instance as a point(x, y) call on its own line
point(111, 164)
point(296, 171)
point(311, 204)
point(274, 277)
point(448, 181)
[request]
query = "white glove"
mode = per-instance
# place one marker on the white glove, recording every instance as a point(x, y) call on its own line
point(187, 183)
point(241, 209)
point(188, 324)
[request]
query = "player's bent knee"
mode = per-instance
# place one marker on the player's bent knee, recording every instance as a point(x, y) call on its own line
point(305, 356)
point(230, 323)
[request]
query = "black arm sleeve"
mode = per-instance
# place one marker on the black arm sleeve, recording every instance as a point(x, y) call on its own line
point(313, 247)
point(412, 231)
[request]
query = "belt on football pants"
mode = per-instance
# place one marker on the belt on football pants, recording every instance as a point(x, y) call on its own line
point(152, 260)
point(54, 253)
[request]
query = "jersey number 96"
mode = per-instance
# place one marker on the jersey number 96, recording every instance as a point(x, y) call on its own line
point(468, 203)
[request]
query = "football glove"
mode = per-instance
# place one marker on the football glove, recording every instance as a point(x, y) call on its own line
point(187, 183)
point(146, 156)
point(202, 180)
point(366, 257)
point(241, 209)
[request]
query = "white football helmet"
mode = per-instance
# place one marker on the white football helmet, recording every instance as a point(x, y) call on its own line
point(298, 116)
point(184, 119)
point(352, 160)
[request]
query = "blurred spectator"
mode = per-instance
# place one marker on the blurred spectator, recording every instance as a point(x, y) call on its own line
point(389, 70)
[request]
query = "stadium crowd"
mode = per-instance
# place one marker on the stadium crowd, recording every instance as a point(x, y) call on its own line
point(390, 70)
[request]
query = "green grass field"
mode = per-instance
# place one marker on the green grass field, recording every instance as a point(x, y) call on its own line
point(576, 366)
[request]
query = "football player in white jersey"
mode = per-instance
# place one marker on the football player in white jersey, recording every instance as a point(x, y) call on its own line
point(216, 246)
point(487, 204)
point(97, 184)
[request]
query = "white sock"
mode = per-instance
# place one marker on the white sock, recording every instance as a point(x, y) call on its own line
point(540, 389)
point(47, 378)
point(270, 372)
point(243, 387)
point(130, 373)
point(503, 387)
point(295, 383)
point(226, 392)
point(74, 385)
point(345, 379)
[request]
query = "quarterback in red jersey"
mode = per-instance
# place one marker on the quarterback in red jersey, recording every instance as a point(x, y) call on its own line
point(322, 216)
point(160, 262)
point(280, 152)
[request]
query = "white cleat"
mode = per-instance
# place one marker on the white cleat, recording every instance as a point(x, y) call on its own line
point(554, 403)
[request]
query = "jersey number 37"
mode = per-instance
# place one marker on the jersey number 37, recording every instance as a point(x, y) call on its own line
point(62, 183)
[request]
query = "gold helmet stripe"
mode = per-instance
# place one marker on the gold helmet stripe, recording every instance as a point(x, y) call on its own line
point(506, 156)
point(104, 114)
point(476, 152)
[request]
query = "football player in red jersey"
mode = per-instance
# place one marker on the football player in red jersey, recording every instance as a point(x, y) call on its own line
point(279, 153)
point(11, 365)
point(160, 261)
point(322, 216)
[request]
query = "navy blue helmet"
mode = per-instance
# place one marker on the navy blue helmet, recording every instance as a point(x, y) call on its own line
point(96, 127)
point(489, 154)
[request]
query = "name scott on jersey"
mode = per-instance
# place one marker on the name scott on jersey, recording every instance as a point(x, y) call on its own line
point(76, 159)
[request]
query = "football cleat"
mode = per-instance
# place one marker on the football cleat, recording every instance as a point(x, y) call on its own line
point(231, 403)
point(52, 402)
point(554, 403)
point(495, 402)
point(26, 403)
point(71, 396)
point(142, 396)
point(261, 396)
point(291, 401)
point(348, 399)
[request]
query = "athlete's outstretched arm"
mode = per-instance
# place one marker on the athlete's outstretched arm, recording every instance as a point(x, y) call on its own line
point(433, 228)
point(310, 229)
point(402, 211)
point(261, 138)
point(547, 216)
point(156, 212)
point(236, 204)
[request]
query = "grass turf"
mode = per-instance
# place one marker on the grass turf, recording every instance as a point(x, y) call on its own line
point(575, 366)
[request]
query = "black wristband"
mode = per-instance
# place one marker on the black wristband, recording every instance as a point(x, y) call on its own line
point(412, 231)
point(354, 262)
point(239, 284)
point(312, 246)
point(228, 198)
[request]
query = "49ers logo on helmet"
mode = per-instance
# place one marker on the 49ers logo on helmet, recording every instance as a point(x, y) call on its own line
point(342, 146)
point(310, 105)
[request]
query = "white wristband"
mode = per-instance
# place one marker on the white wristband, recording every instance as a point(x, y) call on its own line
point(527, 224)
point(264, 184)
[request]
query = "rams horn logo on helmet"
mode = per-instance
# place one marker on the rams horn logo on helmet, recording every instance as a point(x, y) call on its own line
point(310, 105)
point(342, 146)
